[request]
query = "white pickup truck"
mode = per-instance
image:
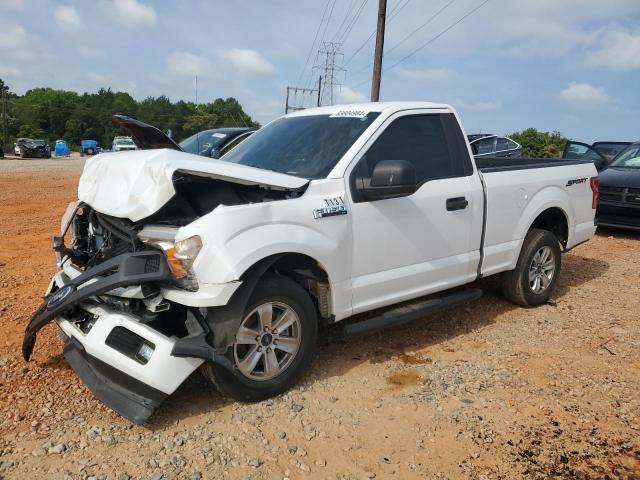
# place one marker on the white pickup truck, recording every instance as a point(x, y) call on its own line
point(169, 261)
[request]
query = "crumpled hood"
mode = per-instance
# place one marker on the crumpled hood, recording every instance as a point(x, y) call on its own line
point(135, 184)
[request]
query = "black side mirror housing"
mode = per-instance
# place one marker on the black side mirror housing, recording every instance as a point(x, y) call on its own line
point(390, 179)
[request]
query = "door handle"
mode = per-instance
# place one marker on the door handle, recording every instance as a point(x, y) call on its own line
point(457, 203)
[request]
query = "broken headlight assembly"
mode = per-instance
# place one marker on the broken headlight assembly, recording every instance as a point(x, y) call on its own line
point(180, 254)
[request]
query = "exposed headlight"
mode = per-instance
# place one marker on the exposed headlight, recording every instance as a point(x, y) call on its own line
point(188, 248)
point(181, 254)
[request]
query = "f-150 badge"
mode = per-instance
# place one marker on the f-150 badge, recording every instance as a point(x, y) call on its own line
point(333, 206)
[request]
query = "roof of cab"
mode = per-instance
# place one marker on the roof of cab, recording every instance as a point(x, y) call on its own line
point(368, 107)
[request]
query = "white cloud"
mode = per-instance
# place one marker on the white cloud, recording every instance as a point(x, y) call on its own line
point(583, 95)
point(18, 44)
point(188, 64)
point(476, 106)
point(131, 13)
point(347, 95)
point(247, 61)
point(67, 18)
point(424, 74)
point(620, 49)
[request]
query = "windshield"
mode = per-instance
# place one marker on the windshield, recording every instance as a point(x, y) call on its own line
point(628, 158)
point(202, 142)
point(123, 141)
point(306, 146)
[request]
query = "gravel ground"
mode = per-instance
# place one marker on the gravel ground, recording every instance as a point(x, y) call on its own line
point(487, 391)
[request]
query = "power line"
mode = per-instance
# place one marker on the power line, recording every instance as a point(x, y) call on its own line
point(324, 12)
point(394, 12)
point(344, 20)
point(429, 20)
point(326, 26)
point(324, 33)
point(431, 40)
point(353, 21)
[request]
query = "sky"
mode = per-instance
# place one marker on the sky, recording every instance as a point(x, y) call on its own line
point(566, 65)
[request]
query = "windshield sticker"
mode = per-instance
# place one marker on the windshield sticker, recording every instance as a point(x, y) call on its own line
point(219, 135)
point(349, 114)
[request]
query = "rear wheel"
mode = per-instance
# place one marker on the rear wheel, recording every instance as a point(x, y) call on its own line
point(534, 279)
point(274, 343)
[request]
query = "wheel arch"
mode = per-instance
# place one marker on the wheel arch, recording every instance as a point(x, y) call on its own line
point(554, 220)
point(303, 269)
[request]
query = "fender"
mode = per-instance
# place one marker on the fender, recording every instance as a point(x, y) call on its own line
point(224, 321)
point(548, 197)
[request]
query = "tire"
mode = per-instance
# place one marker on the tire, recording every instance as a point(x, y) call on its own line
point(253, 384)
point(539, 257)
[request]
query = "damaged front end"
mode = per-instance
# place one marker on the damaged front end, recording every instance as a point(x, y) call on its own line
point(135, 318)
point(128, 344)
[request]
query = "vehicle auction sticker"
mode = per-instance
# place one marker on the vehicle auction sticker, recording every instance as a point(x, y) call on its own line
point(349, 114)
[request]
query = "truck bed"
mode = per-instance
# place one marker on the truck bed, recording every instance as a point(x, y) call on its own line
point(501, 164)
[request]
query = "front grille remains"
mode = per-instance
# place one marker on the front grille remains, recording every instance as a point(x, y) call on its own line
point(152, 264)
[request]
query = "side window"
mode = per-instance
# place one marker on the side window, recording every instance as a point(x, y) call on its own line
point(503, 144)
point(419, 139)
point(484, 146)
point(233, 143)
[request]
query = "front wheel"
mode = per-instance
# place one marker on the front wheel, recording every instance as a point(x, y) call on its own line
point(534, 279)
point(274, 343)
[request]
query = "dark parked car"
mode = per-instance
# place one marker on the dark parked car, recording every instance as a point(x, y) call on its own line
point(215, 143)
point(619, 198)
point(208, 143)
point(493, 146)
point(28, 148)
point(601, 153)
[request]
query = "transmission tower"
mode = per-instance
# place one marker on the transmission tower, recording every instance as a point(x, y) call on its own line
point(333, 57)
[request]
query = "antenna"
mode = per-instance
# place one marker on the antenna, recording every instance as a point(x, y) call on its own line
point(197, 133)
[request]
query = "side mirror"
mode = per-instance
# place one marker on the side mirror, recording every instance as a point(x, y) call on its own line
point(390, 179)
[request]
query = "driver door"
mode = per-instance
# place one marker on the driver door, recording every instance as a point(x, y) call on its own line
point(429, 240)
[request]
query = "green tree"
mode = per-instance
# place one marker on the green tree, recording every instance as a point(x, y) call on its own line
point(52, 114)
point(540, 144)
point(197, 121)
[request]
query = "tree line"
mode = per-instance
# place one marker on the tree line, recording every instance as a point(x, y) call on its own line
point(52, 114)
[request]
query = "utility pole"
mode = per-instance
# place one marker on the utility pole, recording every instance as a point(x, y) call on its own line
point(299, 98)
point(377, 61)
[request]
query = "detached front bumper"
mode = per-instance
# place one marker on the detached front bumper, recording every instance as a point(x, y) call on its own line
point(106, 359)
point(126, 364)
